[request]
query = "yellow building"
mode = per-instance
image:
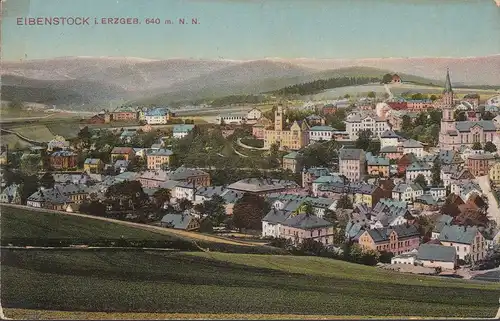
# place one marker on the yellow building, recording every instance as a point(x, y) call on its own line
point(295, 137)
point(93, 165)
point(377, 166)
point(159, 158)
point(495, 173)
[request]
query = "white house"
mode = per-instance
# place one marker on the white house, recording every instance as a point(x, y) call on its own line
point(389, 138)
point(271, 223)
point(405, 258)
point(233, 118)
point(468, 241)
point(407, 192)
point(184, 190)
point(438, 192)
point(356, 122)
point(254, 114)
point(434, 256)
point(413, 146)
point(157, 116)
point(317, 133)
point(182, 130)
point(416, 169)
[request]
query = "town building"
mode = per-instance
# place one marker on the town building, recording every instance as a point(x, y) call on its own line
point(294, 137)
point(494, 173)
point(396, 79)
point(58, 143)
point(352, 163)
point(126, 153)
point(263, 186)
point(329, 109)
point(315, 120)
point(360, 121)
point(157, 116)
point(468, 241)
point(455, 134)
point(473, 99)
point(191, 175)
point(319, 133)
point(183, 222)
point(397, 239)
point(480, 164)
point(377, 166)
point(93, 165)
point(124, 114)
point(389, 138)
point(419, 168)
point(437, 256)
point(309, 175)
point(407, 192)
point(63, 160)
point(413, 146)
point(233, 118)
point(182, 130)
point(293, 162)
point(259, 128)
point(159, 159)
point(254, 114)
point(51, 199)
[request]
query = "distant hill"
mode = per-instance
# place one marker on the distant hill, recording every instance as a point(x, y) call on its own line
point(57, 91)
point(226, 85)
point(79, 80)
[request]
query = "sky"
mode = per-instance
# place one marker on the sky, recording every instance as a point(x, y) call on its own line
point(255, 29)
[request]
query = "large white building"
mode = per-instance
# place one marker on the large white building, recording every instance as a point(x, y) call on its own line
point(318, 133)
point(233, 118)
point(359, 121)
point(254, 114)
point(157, 116)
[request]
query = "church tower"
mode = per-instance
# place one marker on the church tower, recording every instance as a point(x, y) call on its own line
point(278, 118)
point(448, 91)
point(448, 124)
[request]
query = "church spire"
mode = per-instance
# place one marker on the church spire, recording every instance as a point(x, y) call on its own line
point(447, 85)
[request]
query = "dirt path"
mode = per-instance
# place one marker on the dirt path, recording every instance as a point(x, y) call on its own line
point(493, 206)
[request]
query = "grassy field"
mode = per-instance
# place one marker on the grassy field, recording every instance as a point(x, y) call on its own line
point(32, 314)
point(65, 129)
point(24, 224)
point(35, 132)
point(397, 90)
point(14, 142)
point(215, 283)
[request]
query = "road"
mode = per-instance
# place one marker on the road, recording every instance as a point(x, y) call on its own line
point(388, 91)
point(493, 206)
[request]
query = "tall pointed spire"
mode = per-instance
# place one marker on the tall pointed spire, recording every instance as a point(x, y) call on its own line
point(447, 85)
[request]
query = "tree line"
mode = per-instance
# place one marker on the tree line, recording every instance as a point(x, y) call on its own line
point(316, 86)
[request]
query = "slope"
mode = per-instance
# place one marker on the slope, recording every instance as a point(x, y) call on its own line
point(121, 281)
point(225, 82)
point(27, 226)
point(72, 91)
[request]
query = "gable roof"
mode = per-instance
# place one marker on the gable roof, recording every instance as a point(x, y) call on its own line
point(122, 150)
point(466, 126)
point(434, 252)
point(458, 234)
point(306, 222)
point(350, 154)
point(182, 128)
point(178, 221)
